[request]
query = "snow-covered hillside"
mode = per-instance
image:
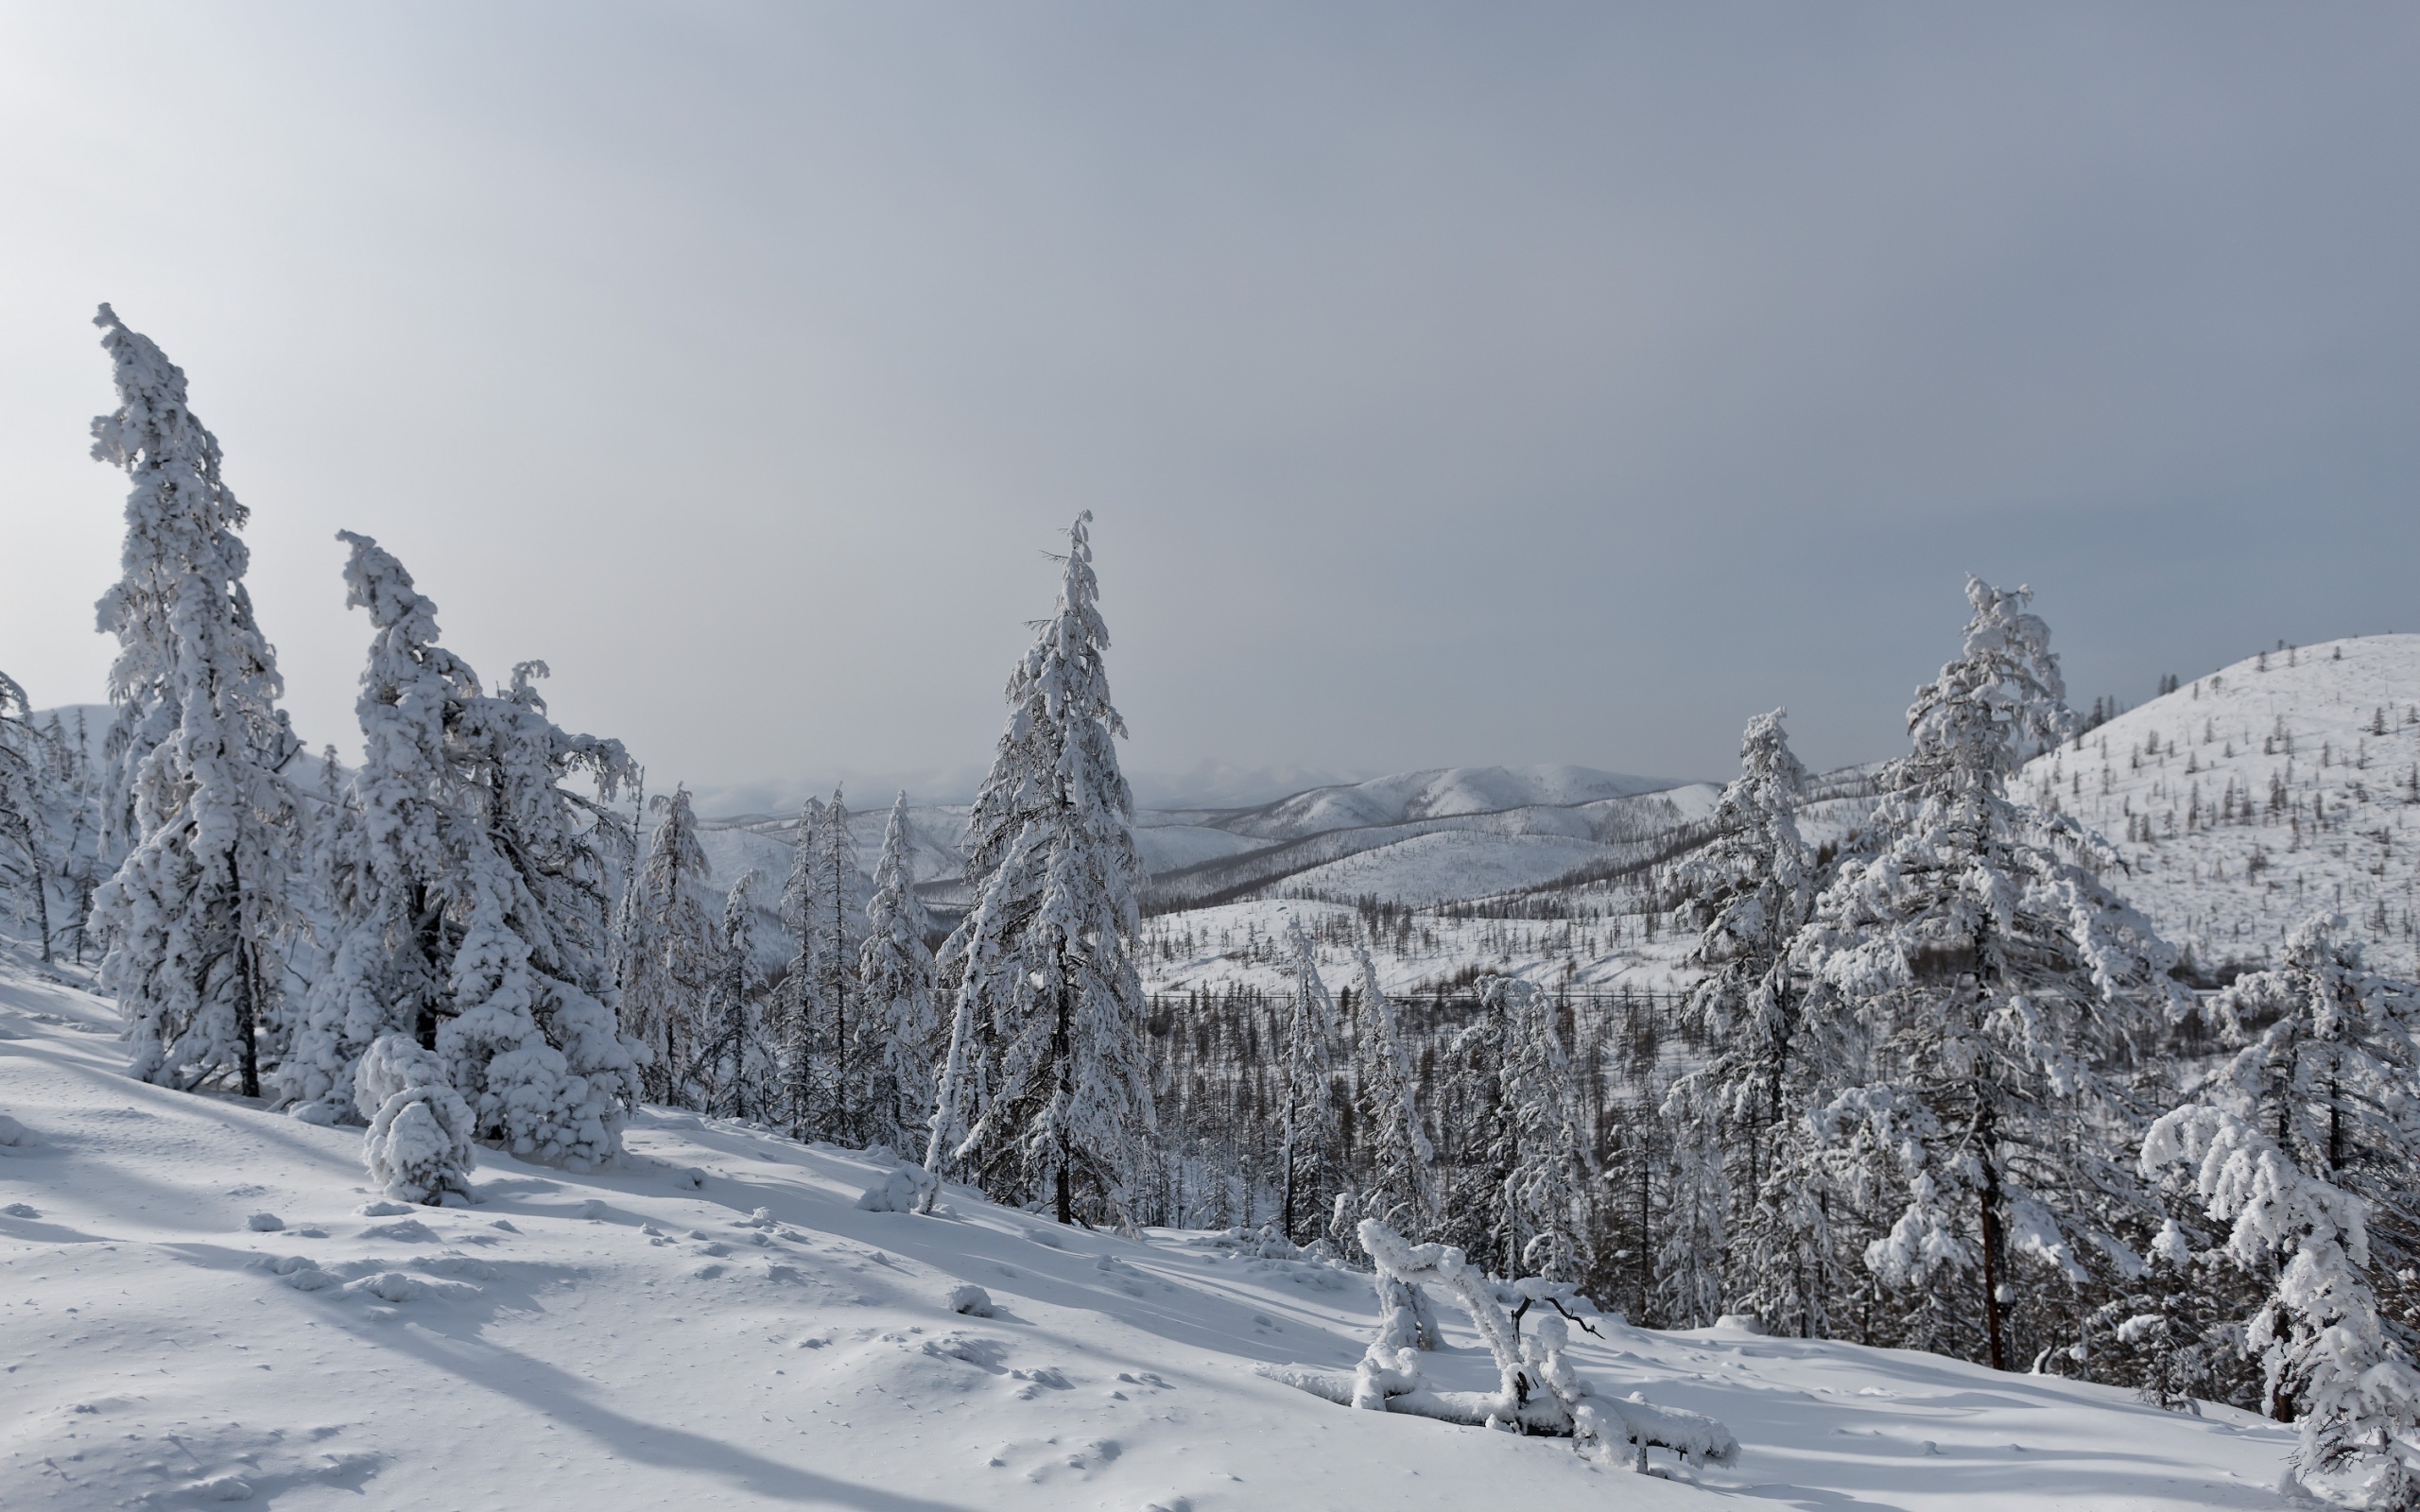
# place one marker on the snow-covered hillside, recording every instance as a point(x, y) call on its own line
point(195, 1309)
point(2249, 799)
point(1377, 838)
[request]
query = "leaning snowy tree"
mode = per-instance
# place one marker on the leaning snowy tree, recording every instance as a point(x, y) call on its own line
point(1045, 1074)
point(1982, 996)
point(1751, 889)
point(2305, 1145)
point(895, 988)
point(207, 824)
point(468, 887)
point(670, 946)
point(1308, 1132)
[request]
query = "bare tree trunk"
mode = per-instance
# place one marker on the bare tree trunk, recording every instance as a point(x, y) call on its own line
point(1991, 1199)
point(247, 1037)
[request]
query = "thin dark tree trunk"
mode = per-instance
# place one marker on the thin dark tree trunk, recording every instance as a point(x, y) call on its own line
point(1062, 1048)
point(247, 1046)
point(1991, 1199)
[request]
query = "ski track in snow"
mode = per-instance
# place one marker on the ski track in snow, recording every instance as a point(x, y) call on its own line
point(630, 1339)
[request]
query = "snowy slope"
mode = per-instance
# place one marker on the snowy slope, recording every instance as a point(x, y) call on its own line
point(2183, 787)
point(746, 1337)
point(1451, 864)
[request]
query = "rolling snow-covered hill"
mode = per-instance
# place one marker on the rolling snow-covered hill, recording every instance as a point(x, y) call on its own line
point(2251, 799)
point(199, 1304)
point(1492, 818)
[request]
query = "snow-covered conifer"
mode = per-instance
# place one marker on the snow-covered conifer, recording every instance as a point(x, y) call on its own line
point(735, 1070)
point(895, 985)
point(1751, 889)
point(674, 945)
point(26, 841)
point(837, 923)
point(205, 823)
point(1045, 1069)
point(1400, 1187)
point(802, 1001)
point(1532, 1193)
point(468, 889)
point(419, 1144)
point(1307, 1135)
point(2328, 1358)
point(1981, 989)
point(2302, 1143)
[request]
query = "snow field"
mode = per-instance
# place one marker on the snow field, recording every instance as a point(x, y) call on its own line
point(715, 1324)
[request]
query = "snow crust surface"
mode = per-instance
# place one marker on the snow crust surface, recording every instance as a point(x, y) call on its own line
point(715, 1323)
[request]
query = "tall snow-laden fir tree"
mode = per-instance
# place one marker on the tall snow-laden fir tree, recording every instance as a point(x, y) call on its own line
point(671, 946)
point(2305, 1145)
point(802, 1001)
point(1046, 1073)
point(204, 821)
point(837, 922)
point(895, 986)
point(1751, 890)
point(1530, 1196)
point(1400, 1190)
point(1307, 1133)
point(1982, 995)
point(468, 892)
point(736, 1069)
point(25, 842)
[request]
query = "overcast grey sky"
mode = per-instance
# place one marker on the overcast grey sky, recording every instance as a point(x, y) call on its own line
point(1502, 382)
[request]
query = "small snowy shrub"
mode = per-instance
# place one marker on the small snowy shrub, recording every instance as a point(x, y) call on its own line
point(418, 1147)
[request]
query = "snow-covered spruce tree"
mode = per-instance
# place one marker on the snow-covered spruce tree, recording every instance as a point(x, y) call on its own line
point(467, 889)
point(1308, 1134)
point(2327, 1356)
point(1750, 890)
point(895, 985)
point(196, 907)
point(673, 945)
point(837, 923)
point(1045, 1069)
point(734, 1071)
point(1983, 993)
point(1400, 1190)
point(1399, 1187)
point(803, 1074)
point(1530, 1193)
point(2307, 1144)
point(25, 842)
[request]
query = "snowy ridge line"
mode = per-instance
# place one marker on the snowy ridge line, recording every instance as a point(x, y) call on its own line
point(1233, 879)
